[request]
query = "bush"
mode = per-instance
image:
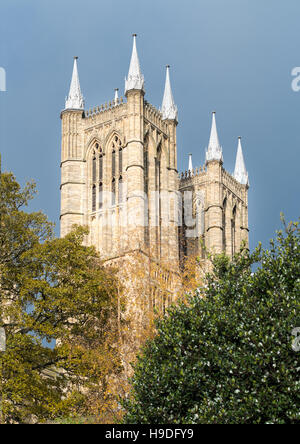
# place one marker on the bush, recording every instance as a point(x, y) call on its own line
point(226, 356)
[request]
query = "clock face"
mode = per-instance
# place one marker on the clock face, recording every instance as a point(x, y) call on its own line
point(2, 340)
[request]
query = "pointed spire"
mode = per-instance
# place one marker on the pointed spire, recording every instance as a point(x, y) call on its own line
point(214, 150)
point(240, 172)
point(75, 99)
point(169, 109)
point(116, 96)
point(190, 163)
point(135, 78)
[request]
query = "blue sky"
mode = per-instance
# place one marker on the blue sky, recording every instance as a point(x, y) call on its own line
point(233, 56)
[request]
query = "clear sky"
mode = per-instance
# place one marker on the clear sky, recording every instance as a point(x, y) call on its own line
point(233, 56)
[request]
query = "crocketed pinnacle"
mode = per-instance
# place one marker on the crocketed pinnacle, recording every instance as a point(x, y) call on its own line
point(75, 98)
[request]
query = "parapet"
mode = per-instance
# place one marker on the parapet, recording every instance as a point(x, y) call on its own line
point(155, 116)
point(231, 183)
point(107, 106)
point(195, 172)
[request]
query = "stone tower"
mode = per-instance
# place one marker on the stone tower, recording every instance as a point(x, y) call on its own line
point(218, 203)
point(119, 173)
point(119, 177)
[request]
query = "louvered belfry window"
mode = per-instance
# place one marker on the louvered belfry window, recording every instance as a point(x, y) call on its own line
point(94, 167)
point(94, 198)
point(101, 167)
point(113, 163)
point(97, 169)
point(117, 168)
point(120, 160)
point(233, 232)
point(100, 195)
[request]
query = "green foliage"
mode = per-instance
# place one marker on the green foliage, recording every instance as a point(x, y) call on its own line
point(50, 290)
point(226, 356)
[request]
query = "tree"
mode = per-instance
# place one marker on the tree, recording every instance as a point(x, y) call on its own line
point(51, 290)
point(226, 356)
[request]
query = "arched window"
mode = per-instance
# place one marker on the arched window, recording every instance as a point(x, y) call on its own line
point(116, 170)
point(94, 167)
point(101, 167)
point(224, 223)
point(233, 231)
point(113, 167)
point(120, 160)
point(96, 175)
point(94, 197)
point(157, 168)
point(117, 148)
point(100, 195)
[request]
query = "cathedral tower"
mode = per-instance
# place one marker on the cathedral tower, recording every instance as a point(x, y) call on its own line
point(119, 177)
point(219, 204)
point(119, 172)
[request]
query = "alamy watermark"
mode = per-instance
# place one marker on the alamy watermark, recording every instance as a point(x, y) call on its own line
point(2, 79)
point(296, 341)
point(296, 80)
point(166, 209)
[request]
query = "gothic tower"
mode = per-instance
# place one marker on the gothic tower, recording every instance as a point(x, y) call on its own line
point(119, 172)
point(119, 177)
point(219, 204)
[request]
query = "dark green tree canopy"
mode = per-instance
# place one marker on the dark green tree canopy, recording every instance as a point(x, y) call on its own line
point(226, 356)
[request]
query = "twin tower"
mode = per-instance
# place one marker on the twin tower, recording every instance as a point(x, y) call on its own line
point(119, 177)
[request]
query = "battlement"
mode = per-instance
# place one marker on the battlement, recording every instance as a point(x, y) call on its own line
point(196, 176)
point(154, 116)
point(200, 171)
point(230, 182)
point(107, 106)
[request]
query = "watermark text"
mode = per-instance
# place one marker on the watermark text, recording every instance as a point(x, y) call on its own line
point(296, 341)
point(2, 79)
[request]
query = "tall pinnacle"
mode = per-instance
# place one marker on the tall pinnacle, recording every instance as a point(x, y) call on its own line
point(214, 150)
point(190, 163)
point(169, 109)
point(116, 96)
point(135, 78)
point(240, 172)
point(75, 99)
